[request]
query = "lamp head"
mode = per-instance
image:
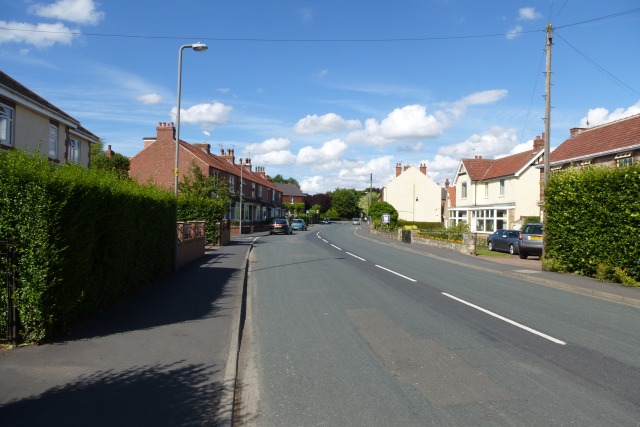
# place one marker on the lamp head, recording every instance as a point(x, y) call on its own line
point(199, 47)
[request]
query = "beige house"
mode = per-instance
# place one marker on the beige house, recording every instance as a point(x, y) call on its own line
point(493, 194)
point(414, 195)
point(29, 122)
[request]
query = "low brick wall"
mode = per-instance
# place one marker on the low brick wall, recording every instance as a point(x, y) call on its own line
point(468, 245)
point(191, 241)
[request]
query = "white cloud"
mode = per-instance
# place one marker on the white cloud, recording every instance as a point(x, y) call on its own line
point(224, 90)
point(39, 35)
point(478, 98)
point(528, 14)
point(411, 148)
point(150, 98)
point(330, 150)
point(313, 184)
point(600, 115)
point(330, 122)
point(322, 73)
point(268, 146)
point(514, 32)
point(278, 157)
point(497, 141)
point(77, 11)
point(441, 163)
point(204, 114)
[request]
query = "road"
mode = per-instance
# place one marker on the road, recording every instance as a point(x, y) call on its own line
point(342, 331)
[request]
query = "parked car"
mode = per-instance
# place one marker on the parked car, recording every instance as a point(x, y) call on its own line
point(356, 221)
point(280, 225)
point(298, 224)
point(530, 240)
point(504, 241)
point(327, 220)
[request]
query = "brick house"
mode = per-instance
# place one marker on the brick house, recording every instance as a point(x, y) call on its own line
point(414, 195)
point(611, 144)
point(291, 193)
point(156, 162)
point(492, 194)
point(31, 123)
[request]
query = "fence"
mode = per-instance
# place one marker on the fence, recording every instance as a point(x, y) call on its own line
point(191, 241)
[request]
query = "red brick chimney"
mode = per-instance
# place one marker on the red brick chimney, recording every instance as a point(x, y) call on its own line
point(398, 169)
point(108, 152)
point(406, 167)
point(165, 132)
point(260, 172)
point(538, 143)
point(423, 168)
point(230, 156)
point(247, 164)
point(575, 131)
point(204, 147)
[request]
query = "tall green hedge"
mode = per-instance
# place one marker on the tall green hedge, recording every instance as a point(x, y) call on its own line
point(83, 238)
point(593, 221)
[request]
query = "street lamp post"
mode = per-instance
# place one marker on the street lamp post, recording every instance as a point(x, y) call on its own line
point(198, 47)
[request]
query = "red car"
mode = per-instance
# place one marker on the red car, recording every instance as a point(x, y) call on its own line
point(280, 225)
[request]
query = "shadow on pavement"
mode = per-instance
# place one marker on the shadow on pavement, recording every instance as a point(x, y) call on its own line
point(190, 294)
point(175, 394)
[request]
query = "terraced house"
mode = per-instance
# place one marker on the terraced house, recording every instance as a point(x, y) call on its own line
point(257, 197)
point(31, 123)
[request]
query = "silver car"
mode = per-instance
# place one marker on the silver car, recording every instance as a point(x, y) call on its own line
point(530, 241)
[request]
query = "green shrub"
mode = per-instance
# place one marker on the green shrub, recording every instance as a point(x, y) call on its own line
point(83, 238)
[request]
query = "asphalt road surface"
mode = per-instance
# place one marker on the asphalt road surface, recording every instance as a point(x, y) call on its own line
point(343, 331)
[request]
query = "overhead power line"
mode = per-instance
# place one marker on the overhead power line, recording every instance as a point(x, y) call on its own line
point(616, 80)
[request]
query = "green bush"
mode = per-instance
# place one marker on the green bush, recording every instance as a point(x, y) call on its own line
point(593, 218)
point(83, 238)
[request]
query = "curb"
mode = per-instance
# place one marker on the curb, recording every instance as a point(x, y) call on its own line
point(227, 401)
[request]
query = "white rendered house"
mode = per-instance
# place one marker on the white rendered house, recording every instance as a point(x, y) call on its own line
point(414, 195)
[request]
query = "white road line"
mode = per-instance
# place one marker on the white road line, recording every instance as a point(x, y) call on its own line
point(397, 274)
point(336, 247)
point(526, 328)
point(324, 241)
point(355, 256)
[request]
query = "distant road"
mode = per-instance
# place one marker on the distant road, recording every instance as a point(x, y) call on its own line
point(343, 331)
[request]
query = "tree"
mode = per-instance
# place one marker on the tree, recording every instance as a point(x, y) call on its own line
point(378, 208)
point(345, 202)
point(203, 198)
point(278, 179)
point(363, 203)
point(320, 199)
point(115, 163)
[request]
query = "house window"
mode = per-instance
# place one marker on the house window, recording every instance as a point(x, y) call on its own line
point(486, 190)
point(260, 191)
point(464, 190)
point(53, 141)
point(253, 190)
point(457, 217)
point(502, 187)
point(232, 183)
point(6, 125)
point(74, 151)
point(624, 159)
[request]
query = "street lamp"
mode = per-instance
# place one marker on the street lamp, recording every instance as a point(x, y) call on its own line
point(198, 47)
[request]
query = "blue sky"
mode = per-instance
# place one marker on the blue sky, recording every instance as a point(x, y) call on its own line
point(330, 91)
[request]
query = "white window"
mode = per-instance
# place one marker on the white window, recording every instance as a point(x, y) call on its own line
point(464, 190)
point(624, 159)
point(253, 190)
point(486, 190)
point(74, 151)
point(502, 187)
point(53, 142)
point(260, 191)
point(6, 125)
point(232, 183)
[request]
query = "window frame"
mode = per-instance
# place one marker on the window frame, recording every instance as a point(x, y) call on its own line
point(73, 152)
point(7, 116)
point(52, 150)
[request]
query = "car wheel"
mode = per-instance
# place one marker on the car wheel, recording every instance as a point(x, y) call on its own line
point(523, 255)
point(490, 245)
point(512, 250)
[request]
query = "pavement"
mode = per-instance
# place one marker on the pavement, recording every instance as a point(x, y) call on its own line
point(169, 354)
point(165, 356)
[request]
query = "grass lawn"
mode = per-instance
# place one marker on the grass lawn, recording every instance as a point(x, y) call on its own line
point(482, 250)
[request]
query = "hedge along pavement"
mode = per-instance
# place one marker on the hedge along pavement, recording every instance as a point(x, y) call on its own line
point(594, 220)
point(83, 239)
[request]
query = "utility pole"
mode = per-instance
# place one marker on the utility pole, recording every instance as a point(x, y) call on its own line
point(369, 207)
point(547, 145)
point(547, 116)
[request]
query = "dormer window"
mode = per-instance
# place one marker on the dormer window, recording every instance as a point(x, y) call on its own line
point(624, 159)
